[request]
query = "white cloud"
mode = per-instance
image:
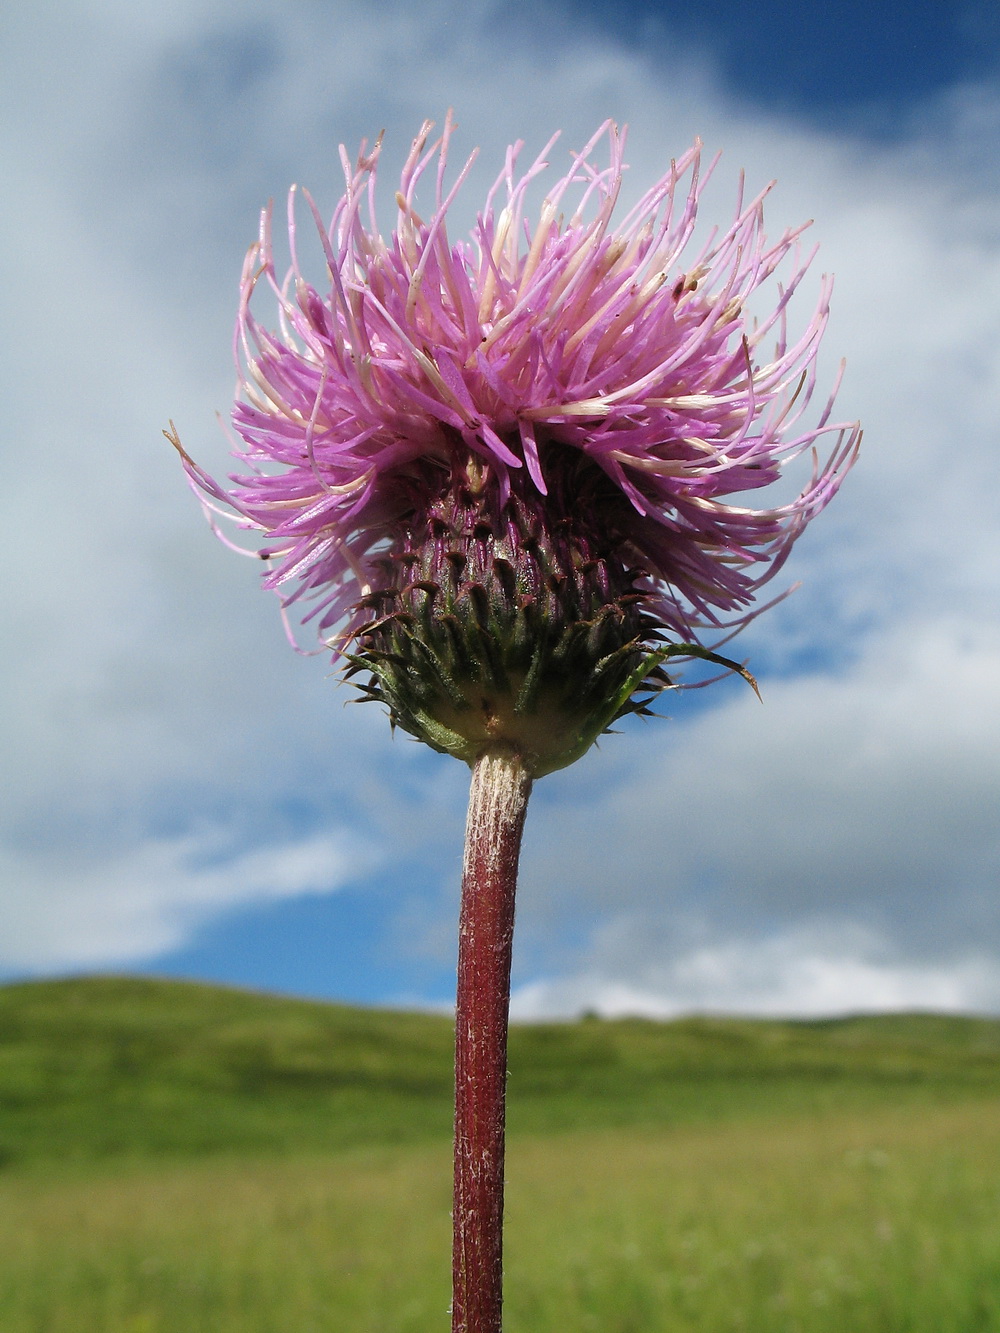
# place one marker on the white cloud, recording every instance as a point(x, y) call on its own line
point(878, 780)
point(791, 974)
point(145, 673)
point(140, 901)
point(845, 834)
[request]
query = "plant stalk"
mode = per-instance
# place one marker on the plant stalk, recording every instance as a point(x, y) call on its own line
point(498, 801)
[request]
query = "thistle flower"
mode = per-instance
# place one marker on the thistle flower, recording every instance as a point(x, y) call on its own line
point(496, 472)
point(499, 475)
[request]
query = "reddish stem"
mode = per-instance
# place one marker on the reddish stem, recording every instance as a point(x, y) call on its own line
point(498, 801)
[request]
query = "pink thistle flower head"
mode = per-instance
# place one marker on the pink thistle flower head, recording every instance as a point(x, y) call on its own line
point(497, 472)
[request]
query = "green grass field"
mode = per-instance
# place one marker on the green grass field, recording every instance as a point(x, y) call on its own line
point(182, 1158)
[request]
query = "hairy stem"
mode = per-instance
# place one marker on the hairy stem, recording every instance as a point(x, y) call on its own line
point(498, 801)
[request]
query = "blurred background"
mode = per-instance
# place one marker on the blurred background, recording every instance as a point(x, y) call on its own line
point(187, 797)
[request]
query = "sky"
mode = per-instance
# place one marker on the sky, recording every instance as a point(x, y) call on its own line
point(185, 796)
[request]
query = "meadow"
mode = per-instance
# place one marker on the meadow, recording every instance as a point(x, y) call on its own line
point(186, 1158)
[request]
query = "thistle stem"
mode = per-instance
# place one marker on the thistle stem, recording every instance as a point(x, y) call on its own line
point(498, 801)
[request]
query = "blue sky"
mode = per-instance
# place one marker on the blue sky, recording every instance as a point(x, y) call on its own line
point(186, 796)
point(858, 64)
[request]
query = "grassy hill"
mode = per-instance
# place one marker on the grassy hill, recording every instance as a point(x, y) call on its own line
point(106, 1067)
point(171, 1170)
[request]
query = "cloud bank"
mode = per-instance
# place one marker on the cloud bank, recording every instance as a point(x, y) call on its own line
point(834, 849)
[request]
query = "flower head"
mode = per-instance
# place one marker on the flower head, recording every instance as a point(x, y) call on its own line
point(497, 471)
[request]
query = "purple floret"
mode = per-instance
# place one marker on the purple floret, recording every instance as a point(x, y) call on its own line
point(512, 345)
